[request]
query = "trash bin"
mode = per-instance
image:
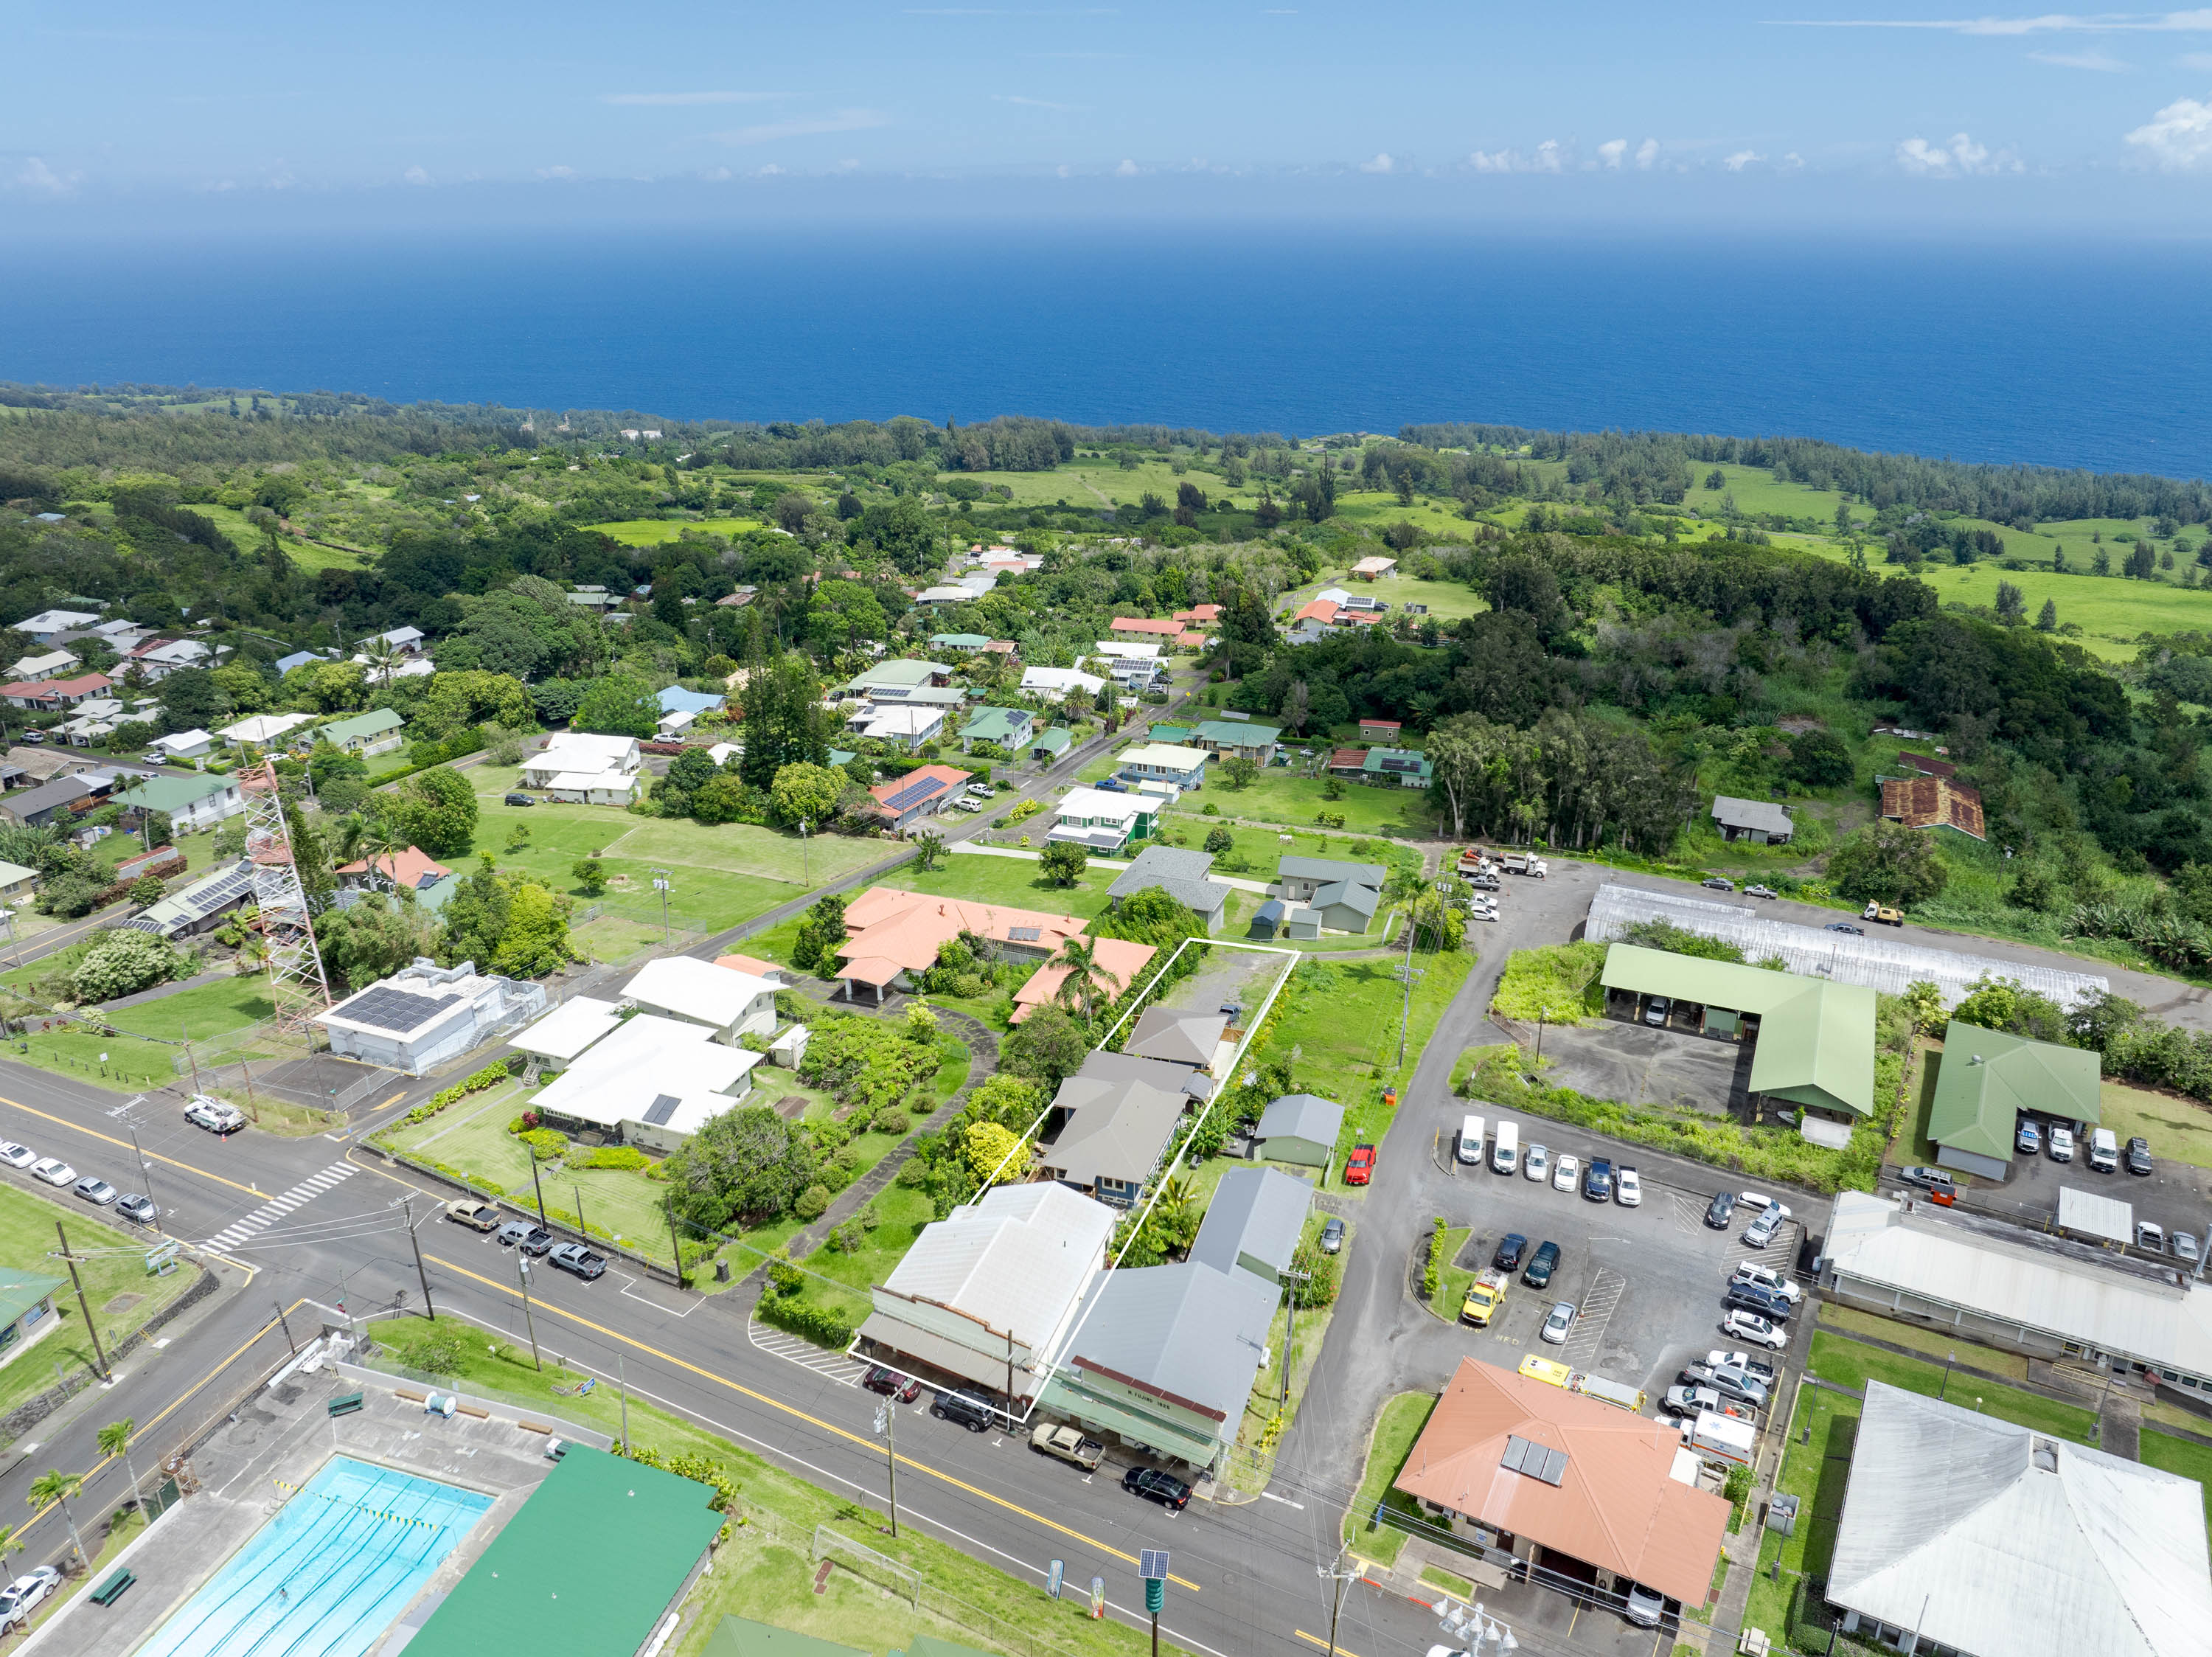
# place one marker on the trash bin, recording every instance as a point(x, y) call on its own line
point(721, 1271)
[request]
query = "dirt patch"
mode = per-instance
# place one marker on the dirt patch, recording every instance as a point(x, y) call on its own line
point(792, 1106)
point(122, 1303)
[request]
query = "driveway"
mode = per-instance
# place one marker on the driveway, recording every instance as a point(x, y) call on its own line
point(1638, 1065)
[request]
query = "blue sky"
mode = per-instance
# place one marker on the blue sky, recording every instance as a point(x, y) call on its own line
point(1799, 112)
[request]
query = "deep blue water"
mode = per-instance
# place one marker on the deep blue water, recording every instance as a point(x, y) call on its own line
point(1981, 353)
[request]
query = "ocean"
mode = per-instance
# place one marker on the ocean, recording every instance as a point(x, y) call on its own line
point(2096, 357)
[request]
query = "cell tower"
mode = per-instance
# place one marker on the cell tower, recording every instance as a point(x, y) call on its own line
point(296, 984)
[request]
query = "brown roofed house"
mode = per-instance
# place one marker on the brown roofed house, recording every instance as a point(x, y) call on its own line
point(1932, 802)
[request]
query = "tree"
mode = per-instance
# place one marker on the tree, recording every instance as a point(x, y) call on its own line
point(435, 809)
point(996, 1151)
point(535, 940)
point(1063, 862)
point(114, 1440)
point(1999, 1004)
point(1438, 926)
point(620, 704)
point(1079, 955)
point(691, 771)
point(815, 948)
point(929, 847)
point(1046, 1048)
point(725, 799)
point(1818, 759)
point(2012, 604)
point(191, 700)
point(1219, 841)
point(243, 687)
point(1923, 1005)
point(783, 720)
point(902, 533)
point(372, 940)
point(747, 1165)
point(1527, 585)
point(123, 963)
point(1297, 707)
point(2047, 620)
point(590, 874)
point(1239, 771)
point(148, 890)
point(1889, 864)
point(55, 1487)
point(806, 793)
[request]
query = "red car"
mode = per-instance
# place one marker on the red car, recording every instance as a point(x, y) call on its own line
point(1360, 1167)
point(892, 1385)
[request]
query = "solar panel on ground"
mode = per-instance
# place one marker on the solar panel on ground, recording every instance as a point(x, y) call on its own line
point(395, 1010)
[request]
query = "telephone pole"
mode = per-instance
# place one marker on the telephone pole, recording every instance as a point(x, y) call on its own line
point(428, 1311)
point(83, 1306)
point(1334, 1572)
point(1291, 1335)
point(887, 1427)
point(522, 1271)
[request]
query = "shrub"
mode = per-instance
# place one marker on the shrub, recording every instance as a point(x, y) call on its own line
point(124, 963)
point(546, 1144)
point(892, 1119)
point(1552, 982)
point(613, 1156)
point(438, 1353)
point(811, 1202)
point(785, 1279)
point(490, 1077)
point(802, 1317)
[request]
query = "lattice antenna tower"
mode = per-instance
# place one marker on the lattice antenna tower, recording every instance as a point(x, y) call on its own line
point(296, 983)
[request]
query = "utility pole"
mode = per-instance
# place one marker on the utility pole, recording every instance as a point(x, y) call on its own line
point(537, 1187)
point(887, 1430)
point(428, 1311)
point(1291, 1335)
point(1334, 1572)
point(805, 879)
point(674, 1243)
point(522, 1271)
point(83, 1306)
point(285, 1323)
point(582, 1230)
point(146, 1179)
point(660, 878)
point(1406, 1004)
point(622, 1391)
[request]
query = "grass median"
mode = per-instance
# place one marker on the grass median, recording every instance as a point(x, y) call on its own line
point(1376, 1526)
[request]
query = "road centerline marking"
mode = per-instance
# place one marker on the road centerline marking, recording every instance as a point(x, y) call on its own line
point(124, 1144)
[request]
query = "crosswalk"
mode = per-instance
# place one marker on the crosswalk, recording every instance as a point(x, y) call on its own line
point(237, 1232)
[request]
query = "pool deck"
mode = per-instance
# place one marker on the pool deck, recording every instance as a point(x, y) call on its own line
point(284, 1431)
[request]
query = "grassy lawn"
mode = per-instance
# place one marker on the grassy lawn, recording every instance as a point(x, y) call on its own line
point(2178, 1455)
point(1817, 1473)
point(1278, 797)
point(106, 1538)
point(651, 531)
point(901, 1213)
point(1935, 1343)
point(1460, 1587)
point(1395, 1429)
point(1254, 1460)
point(769, 1594)
point(1849, 1363)
point(131, 1065)
point(1447, 601)
point(116, 1285)
point(2178, 1129)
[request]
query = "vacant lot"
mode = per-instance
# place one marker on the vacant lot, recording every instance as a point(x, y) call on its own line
point(651, 531)
point(1278, 797)
point(2178, 1129)
point(147, 1053)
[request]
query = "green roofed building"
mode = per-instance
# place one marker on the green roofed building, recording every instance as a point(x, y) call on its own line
point(27, 1309)
point(1987, 1078)
point(1815, 1039)
point(740, 1636)
point(1175, 736)
point(1009, 727)
point(377, 731)
point(1050, 743)
point(643, 1534)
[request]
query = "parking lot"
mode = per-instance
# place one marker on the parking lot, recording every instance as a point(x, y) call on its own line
point(2176, 1195)
point(1639, 1065)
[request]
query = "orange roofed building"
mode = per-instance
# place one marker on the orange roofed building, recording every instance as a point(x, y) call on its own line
point(892, 934)
point(1119, 959)
point(1139, 626)
point(753, 967)
point(1562, 1480)
point(1920, 802)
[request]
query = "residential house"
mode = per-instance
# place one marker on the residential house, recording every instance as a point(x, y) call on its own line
point(730, 1004)
point(303, 659)
point(1199, 615)
point(50, 664)
point(1300, 1129)
point(95, 718)
point(584, 768)
point(1987, 1079)
point(196, 908)
point(650, 1081)
point(190, 803)
point(963, 644)
point(183, 744)
point(411, 870)
point(1562, 1481)
point(1380, 732)
point(1343, 896)
point(46, 695)
point(753, 967)
point(1179, 1035)
point(1383, 768)
point(905, 729)
point(424, 1015)
point(1047, 745)
point(1184, 767)
point(890, 935)
point(156, 659)
point(1254, 1223)
point(1926, 764)
point(1109, 1125)
point(1102, 822)
point(1141, 627)
point(1171, 734)
point(377, 731)
point(26, 1310)
point(1760, 821)
point(1235, 738)
point(1374, 568)
point(559, 1038)
point(738, 600)
point(43, 626)
point(1182, 874)
point(675, 699)
point(922, 793)
point(408, 641)
point(987, 1294)
point(1005, 648)
point(931, 597)
point(263, 730)
point(25, 766)
point(593, 597)
point(17, 883)
point(1922, 802)
point(1315, 612)
point(1009, 728)
point(899, 674)
point(2027, 1546)
point(1056, 682)
point(1118, 964)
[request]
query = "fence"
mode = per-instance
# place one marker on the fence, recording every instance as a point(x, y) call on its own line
point(910, 1585)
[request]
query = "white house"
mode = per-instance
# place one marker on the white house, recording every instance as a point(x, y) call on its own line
point(560, 1037)
point(1165, 761)
point(377, 731)
point(585, 769)
point(651, 1083)
point(1059, 681)
point(51, 665)
point(183, 744)
point(904, 728)
point(728, 1002)
point(264, 729)
point(1144, 650)
point(47, 623)
point(1099, 821)
point(424, 1015)
point(190, 803)
point(406, 639)
point(157, 658)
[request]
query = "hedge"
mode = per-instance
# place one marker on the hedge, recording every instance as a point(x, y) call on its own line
point(803, 1318)
point(490, 1077)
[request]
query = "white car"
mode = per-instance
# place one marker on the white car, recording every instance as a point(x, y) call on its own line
point(26, 1593)
point(1767, 1278)
point(2149, 1234)
point(2062, 1144)
point(1566, 1173)
point(1627, 1189)
point(1537, 1163)
point(979, 791)
point(1644, 1608)
point(53, 1171)
point(1750, 1326)
point(1760, 1231)
point(1562, 1319)
point(16, 1156)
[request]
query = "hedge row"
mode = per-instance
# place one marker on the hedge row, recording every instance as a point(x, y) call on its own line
point(490, 1077)
point(815, 1323)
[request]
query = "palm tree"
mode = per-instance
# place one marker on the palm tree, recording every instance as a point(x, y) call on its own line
point(11, 1541)
point(115, 1441)
point(1080, 956)
point(382, 657)
point(54, 1486)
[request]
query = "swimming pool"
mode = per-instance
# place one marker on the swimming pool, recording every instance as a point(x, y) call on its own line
point(330, 1570)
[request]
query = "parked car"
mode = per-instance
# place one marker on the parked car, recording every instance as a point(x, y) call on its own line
point(2062, 1143)
point(2138, 1155)
point(214, 1115)
point(980, 791)
point(1331, 1235)
point(2149, 1234)
point(1765, 1277)
point(519, 798)
point(96, 1190)
point(1560, 1319)
point(1509, 1249)
point(16, 1156)
point(964, 1406)
point(1644, 1608)
point(1597, 1182)
point(1111, 785)
point(1537, 1163)
point(905, 1389)
point(1845, 927)
point(1655, 1011)
point(1749, 1297)
point(1154, 1485)
point(478, 1216)
point(138, 1209)
point(53, 1171)
point(1689, 1400)
point(2186, 1249)
point(1760, 1231)
point(26, 1594)
point(1360, 1167)
point(1748, 1363)
point(1627, 1187)
point(2027, 1138)
point(1761, 892)
point(1485, 882)
point(530, 1239)
point(1929, 1179)
point(1565, 1172)
point(1882, 914)
point(1542, 1264)
point(574, 1256)
point(1068, 1445)
point(1720, 1210)
point(1717, 883)
point(1739, 1384)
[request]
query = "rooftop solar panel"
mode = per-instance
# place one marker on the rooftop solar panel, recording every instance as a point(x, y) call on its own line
point(395, 1010)
point(661, 1109)
point(1025, 934)
point(914, 792)
point(1401, 765)
point(1534, 1460)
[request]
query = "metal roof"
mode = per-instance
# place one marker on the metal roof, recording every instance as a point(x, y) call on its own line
point(1014, 1261)
point(1303, 1116)
point(2090, 1213)
point(1331, 868)
point(22, 1290)
point(1179, 1036)
point(1190, 1333)
point(1260, 1212)
point(569, 1028)
point(1761, 815)
point(1118, 1128)
point(697, 990)
point(1989, 1536)
point(1884, 964)
point(1054, 738)
point(203, 898)
point(1985, 1078)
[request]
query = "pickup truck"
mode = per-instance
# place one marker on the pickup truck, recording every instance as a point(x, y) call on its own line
point(1882, 913)
point(1068, 1445)
point(483, 1216)
point(1484, 1296)
point(1360, 1167)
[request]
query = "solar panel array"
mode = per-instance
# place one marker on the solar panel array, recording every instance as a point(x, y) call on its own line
point(1534, 1460)
point(1402, 763)
point(1025, 934)
point(661, 1109)
point(393, 1010)
point(914, 792)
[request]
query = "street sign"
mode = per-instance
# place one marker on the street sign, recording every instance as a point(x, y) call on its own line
point(1097, 1597)
point(1152, 1564)
point(162, 1259)
point(1053, 1579)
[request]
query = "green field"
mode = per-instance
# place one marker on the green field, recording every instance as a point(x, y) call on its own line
point(1276, 795)
point(1852, 1363)
point(1398, 1425)
point(131, 1064)
point(1447, 600)
point(2178, 1129)
point(651, 531)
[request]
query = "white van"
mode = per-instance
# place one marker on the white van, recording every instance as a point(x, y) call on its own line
point(2103, 1150)
point(1470, 1141)
point(1506, 1153)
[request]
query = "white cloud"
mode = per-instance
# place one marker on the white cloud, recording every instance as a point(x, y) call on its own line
point(1548, 158)
point(35, 174)
point(1646, 153)
point(1127, 169)
point(2110, 22)
point(1611, 151)
point(1063, 170)
point(1032, 103)
point(1382, 163)
point(557, 171)
point(1741, 159)
point(716, 176)
point(1961, 157)
point(2102, 62)
point(2179, 136)
point(1793, 160)
point(842, 120)
point(2196, 60)
point(770, 171)
point(686, 100)
point(416, 175)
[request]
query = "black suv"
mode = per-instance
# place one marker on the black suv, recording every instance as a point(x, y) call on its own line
point(1508, 1257)
point(519, 798)
point(1542, 1264)
point(1750, 1297)
point(1723, 1207)
point(968, 1408)
point(2138, 1155)
point(1154, 1485)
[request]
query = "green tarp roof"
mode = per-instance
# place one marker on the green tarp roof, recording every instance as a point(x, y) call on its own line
point(1815, 1038)
point(1988, 1077)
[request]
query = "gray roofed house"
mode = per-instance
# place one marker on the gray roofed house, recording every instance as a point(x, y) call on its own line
point(1100, 1065)
point(1342, 896)
point(1182, 874)
point(1254, 1223)
point(1300, 1128)
point(1312, 873)
point(36, 807)
point(1115, 1130)
point(1760, 821)
point(1179, 1036)
point(2026, 1544)
point(196, 908)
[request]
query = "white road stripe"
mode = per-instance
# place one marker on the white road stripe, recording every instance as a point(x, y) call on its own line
point(299, 1197)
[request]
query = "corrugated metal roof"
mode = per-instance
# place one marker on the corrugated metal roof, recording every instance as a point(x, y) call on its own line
point(1189, 1332)
point(1986, 1078)
point(1014, 1261)
point(2090, 1213)
point(1303, 1116)
point(1255, 1211)
point(1761, 815)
